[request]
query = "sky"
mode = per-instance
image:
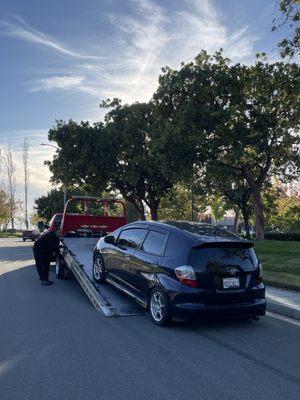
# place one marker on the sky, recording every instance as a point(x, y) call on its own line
point(60, 59)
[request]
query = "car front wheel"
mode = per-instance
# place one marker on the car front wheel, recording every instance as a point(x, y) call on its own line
point(159, 307)
point(99, 273)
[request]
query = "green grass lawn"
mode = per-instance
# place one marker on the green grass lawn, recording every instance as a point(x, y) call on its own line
point(8, 234)
point(281, 263)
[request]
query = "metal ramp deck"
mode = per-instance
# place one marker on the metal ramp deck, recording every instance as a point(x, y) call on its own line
point(78, 253)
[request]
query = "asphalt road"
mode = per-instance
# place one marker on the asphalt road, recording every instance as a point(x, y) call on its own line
point(54, 345)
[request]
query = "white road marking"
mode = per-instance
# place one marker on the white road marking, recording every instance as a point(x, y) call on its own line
point(283, 318)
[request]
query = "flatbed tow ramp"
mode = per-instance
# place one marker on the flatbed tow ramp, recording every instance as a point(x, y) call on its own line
point(77, 253)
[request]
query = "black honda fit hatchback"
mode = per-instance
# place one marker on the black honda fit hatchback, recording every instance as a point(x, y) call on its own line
point(182, 270)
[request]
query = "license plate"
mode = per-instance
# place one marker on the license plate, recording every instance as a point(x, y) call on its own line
point(230, 283)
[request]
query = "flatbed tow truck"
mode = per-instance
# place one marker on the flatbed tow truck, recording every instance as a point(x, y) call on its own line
point(80, 233)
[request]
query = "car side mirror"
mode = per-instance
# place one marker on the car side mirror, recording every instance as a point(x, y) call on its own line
point(109, 239)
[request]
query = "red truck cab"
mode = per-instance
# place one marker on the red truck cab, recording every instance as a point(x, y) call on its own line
point(97, 217)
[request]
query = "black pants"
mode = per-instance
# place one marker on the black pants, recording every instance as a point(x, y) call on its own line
point(42, 262)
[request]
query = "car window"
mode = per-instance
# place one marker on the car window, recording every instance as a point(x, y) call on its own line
point(174, 244)
point(154, 242)
point(215, 257)
point(131, 237)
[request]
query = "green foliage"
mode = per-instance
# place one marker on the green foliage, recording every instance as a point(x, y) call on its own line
point(229, 126)
point(176, 205)
point(218, 207)
point(286, 236)
point(4, 208)
point(53, 202)
point(286, 213)
point(85, 156)
point(290, 16)
point(237, 120)
point(46, 206)
point(143, 170)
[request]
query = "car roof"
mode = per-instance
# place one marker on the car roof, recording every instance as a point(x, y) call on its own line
point(197, 232)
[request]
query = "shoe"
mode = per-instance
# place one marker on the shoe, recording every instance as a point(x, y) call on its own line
point(46, 282)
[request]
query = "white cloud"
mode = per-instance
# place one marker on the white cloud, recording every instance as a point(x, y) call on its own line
point(20, 29)
point(143, 41)
point(57, 82)
point(153, 37)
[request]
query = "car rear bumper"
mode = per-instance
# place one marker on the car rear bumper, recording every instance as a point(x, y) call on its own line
point(239, 310)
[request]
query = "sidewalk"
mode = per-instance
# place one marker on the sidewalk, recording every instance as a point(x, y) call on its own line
point(285, 302)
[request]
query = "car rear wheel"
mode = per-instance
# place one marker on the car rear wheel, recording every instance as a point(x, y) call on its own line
point(159, 307)
point(99, 273)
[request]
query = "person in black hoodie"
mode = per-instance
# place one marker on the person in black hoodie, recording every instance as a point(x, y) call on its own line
point(43, 249)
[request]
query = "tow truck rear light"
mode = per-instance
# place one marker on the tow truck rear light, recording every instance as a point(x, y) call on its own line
point(186, 275)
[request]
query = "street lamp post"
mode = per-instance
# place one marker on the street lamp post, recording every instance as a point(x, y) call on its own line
point(64, 189)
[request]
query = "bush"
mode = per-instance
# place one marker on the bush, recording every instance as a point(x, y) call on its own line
point(283, 236)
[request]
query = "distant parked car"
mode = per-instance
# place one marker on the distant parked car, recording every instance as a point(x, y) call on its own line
point(32, 234)
point(182, 270)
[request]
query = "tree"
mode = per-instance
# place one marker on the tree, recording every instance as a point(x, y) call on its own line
point(4, 208)
point(10, 170)
point(290, 16)
point(142, 172)
point(282, 210)
point(288, 213)
point(53, 202)
point(246, 118)
point(26, 178)
point(177, 204)
point(82, 150)
point(233, 189)
point(124, 155)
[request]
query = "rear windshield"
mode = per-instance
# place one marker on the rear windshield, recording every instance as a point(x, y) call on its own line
point(215, 257)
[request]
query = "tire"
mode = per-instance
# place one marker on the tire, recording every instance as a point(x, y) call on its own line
point(99, 272)
point(159, 307)
point(60, 269)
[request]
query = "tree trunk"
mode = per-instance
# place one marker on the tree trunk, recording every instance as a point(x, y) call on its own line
point(154, 213)
point(259, 217)
point(259, 213)
point(139, 206)
point(236, 219)
point(255, 187)
point(12, 220)
point(246, 223)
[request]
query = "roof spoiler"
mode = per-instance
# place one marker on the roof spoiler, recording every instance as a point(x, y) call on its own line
point(226, 244)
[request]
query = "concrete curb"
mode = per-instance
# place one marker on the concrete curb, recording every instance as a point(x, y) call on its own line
point(283, 309)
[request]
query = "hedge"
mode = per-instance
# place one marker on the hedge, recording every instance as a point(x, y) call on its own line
point(282, 236)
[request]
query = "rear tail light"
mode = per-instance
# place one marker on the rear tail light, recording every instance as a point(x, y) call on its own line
point(186, 275)
point(260, 276)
